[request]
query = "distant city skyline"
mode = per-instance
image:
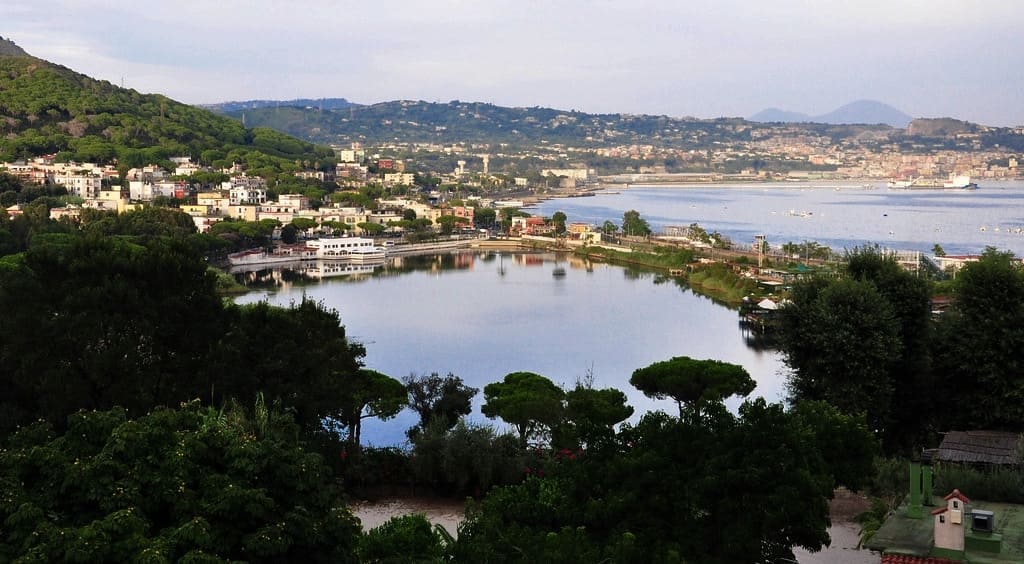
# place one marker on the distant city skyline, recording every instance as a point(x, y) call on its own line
point(726, 58)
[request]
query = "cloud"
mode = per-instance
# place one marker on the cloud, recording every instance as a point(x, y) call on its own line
point(701, 57)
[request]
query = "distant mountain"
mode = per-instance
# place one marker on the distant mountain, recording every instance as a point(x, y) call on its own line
point(320, 104)
point(859, 112)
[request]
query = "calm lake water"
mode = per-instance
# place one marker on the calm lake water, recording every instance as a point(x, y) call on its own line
point(482, 315)
point(840, 215)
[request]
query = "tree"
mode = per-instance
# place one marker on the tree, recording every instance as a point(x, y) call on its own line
point(267, 349)
point(439, 399)
point(484, 217)
point(447, 223)
point(408, 214)
point(371, 228)
point(981, 338)
point(370, 394)
point(609, 228)
point(744, 488)
point(187, 484)
point(124, 324)
point(558, 218)
point(911, 373)
point(591, 415)
point(841, 340)
point(938, 251)
point(529, 402)
point(303, 223)
point(634, 225)
point(692, 383)
point(289, 234)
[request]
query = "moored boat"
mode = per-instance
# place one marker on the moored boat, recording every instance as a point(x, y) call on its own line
point(345, 248)
point(363, 255)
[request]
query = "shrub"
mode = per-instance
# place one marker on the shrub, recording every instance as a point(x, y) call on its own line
point(1000, 484)
point(408, 538)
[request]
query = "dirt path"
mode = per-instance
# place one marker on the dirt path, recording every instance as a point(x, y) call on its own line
point(444, 512)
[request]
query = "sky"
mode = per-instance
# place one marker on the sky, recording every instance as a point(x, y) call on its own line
point(701, 58)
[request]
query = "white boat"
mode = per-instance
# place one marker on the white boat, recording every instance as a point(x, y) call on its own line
point(345, 248)
point(899, 183)
point(960, 182)
point(364, 255)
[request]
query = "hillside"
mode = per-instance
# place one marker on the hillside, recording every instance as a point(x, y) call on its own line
point(475, 122)
point(47, 108)
point(8, 48)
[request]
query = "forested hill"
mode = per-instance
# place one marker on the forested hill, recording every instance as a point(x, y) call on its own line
point(47, 108)
point(456, 121)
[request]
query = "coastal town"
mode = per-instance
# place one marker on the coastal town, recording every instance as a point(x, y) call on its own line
point(407, 184)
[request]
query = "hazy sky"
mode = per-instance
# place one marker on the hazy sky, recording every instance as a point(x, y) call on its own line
point(704, 58)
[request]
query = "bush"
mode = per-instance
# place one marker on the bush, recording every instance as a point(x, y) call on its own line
point(467, 460)
point(408, 538)
point(1005, 485)
point(372, 467)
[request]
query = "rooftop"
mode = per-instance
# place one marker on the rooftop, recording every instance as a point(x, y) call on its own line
point(904, 536)
point(988, 447)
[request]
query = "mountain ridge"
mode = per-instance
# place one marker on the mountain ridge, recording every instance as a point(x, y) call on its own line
point(856, 112)
point(9, 49)
point(317, 103)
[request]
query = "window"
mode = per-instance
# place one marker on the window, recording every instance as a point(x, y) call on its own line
point(956, 504)
point(942, 518)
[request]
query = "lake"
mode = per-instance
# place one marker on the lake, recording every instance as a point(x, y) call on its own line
point(840, 215)
point(482, 315)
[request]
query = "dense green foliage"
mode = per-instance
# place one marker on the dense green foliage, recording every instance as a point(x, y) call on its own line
point(529, 402)
point(409, 539)
point(136, 322)
point(468, 459)
point(194, 484)
point(741, 488)
point(978, 345)
point(694, 384)
point(439, 399)
point(46, 108)
point(867, 342)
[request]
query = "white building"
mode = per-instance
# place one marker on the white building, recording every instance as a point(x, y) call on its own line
point(244, 195)
point(81, 185)
point(573, 173)
point(399, 179)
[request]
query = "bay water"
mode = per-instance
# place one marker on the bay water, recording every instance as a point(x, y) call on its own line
point(840, 215)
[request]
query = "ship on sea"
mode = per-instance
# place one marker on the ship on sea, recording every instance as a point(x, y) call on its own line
point(955, 182)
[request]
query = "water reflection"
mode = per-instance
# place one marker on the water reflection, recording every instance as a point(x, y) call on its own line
point(481, 315)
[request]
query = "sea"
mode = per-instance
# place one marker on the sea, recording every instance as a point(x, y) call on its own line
point(839, 215)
